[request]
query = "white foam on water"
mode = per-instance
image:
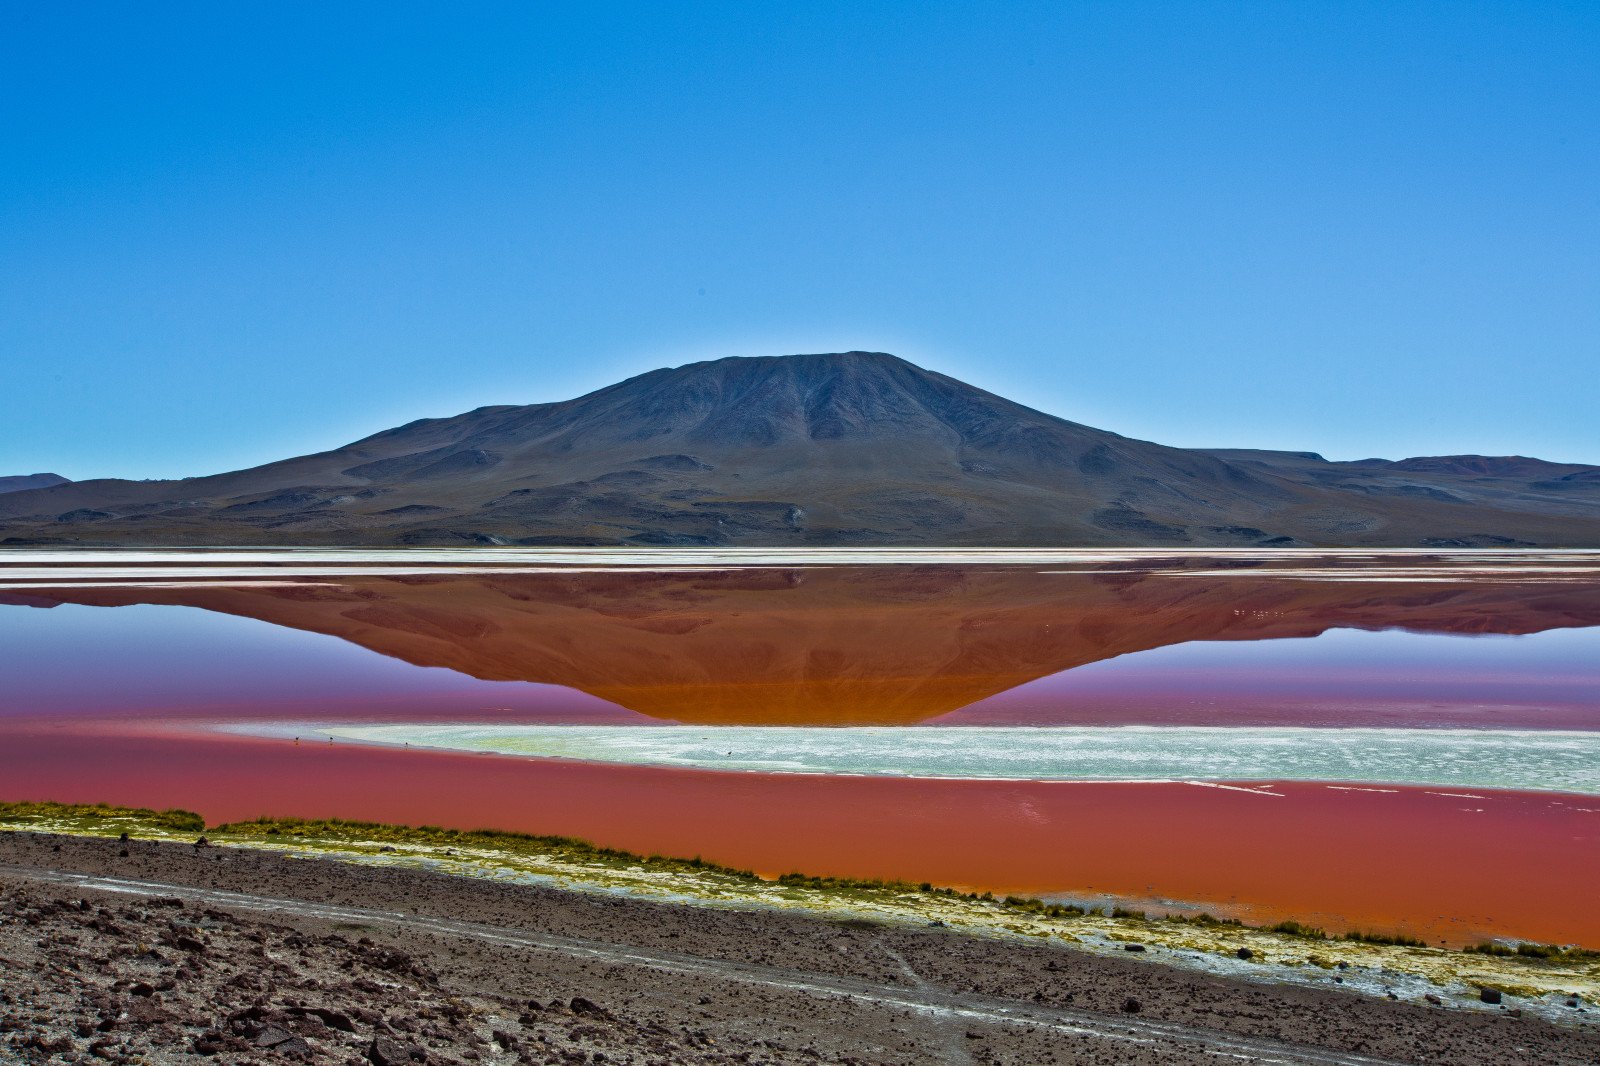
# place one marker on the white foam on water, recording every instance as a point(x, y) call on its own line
point(1534, 760)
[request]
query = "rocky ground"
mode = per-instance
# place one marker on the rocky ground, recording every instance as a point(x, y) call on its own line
point(362, 965)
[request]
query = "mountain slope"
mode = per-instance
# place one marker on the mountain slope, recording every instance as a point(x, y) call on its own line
point(19, 482)
point(851, 448)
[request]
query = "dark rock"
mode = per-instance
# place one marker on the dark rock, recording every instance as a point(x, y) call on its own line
point(331, 1018)
point(1435, 1000)
point(579, 1005)
point(142, 989)
point(1131, 1006)
point(48, 1044)
point(1489, 995)
point(387, 1051)
point(1245, 953)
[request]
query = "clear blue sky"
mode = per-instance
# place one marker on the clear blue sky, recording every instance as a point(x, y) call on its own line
point(235, 232)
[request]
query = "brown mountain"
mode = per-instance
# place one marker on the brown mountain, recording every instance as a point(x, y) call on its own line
point(852, 448)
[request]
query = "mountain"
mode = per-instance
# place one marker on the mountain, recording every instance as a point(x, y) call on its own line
point(855, 448)
point(18, 482)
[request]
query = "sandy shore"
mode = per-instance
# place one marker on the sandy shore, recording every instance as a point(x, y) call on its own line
point(179, 953)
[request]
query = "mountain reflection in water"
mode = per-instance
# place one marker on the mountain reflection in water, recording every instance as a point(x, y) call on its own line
point(863, 645)
point(123, 706)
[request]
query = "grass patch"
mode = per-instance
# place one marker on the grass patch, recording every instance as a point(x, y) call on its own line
point(1304, 932)
point(1543, 952)
point(1395, 940)
point(570, 849)
point(172, 820)
point(1204, 919)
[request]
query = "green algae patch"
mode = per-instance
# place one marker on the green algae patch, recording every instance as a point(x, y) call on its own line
point(96, 819)
point(1559, 983)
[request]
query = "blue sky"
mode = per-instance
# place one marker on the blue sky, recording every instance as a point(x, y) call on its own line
point(234, 232)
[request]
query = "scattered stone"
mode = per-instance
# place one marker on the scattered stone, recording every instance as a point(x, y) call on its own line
point(1245, 953)
point(1131, 1006)
point(579, 1005)
point(1435, 1000)
point(209, 1042)
point(1489, 995)
point(1133, 947)
point(331, 1018)
point(387, 1051)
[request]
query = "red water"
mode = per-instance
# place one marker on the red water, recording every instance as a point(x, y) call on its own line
point(106, 695)
point(1448, 869)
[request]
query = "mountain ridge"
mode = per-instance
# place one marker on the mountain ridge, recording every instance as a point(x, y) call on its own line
point(838, 448)
point(23, 482)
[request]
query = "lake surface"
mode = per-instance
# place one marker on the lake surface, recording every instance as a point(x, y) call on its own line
point(1398, 740)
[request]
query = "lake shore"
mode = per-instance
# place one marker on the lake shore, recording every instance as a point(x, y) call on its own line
point(1558, 985)
point(1420, 862)
point(178, 953)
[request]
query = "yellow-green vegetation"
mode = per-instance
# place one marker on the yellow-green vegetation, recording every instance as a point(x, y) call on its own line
point(1543, 976)
point(96, 819)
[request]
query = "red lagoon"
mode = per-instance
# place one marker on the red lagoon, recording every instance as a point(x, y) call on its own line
point(1449, 868)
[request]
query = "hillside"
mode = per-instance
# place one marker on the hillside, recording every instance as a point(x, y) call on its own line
point(853, 448)
point(19, 482)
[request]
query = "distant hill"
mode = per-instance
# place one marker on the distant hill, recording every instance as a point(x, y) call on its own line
point(18, 482)
point(855, 448)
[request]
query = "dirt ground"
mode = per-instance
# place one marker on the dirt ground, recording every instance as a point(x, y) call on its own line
point(187, 954)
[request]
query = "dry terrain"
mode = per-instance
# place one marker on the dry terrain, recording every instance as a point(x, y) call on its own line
point(139, 951)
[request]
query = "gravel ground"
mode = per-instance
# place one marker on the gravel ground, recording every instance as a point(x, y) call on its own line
point(88, 975)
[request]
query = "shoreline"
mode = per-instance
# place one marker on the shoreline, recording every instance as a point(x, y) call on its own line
point(1402, 862)
point(1558, 985)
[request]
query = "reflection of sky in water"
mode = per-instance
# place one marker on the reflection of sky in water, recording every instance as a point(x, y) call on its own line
point(150, 659)
point(172, 659)
point(1451, 758)
point(1506, 677)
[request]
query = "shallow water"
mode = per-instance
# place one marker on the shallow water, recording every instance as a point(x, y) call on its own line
point(1533, 760)
point(1410, 739)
